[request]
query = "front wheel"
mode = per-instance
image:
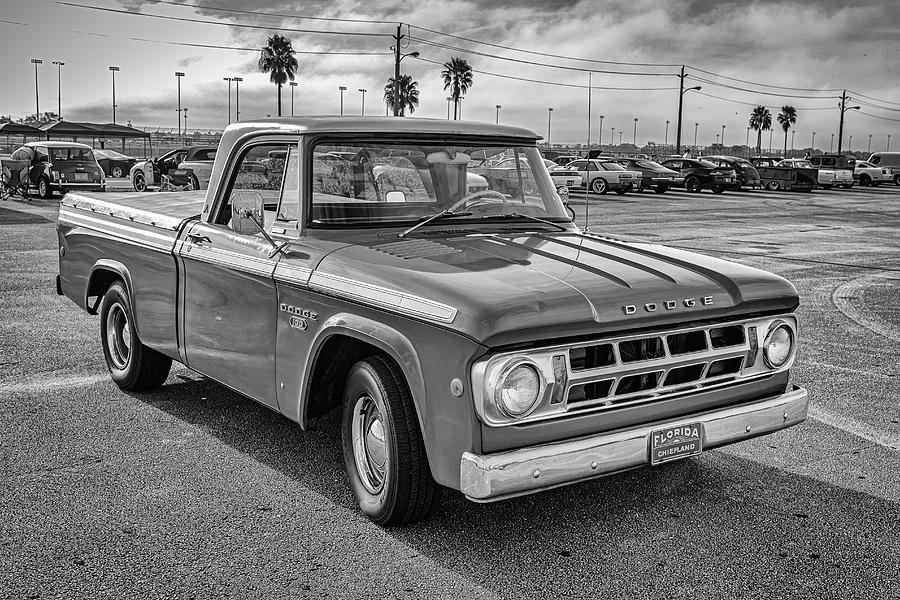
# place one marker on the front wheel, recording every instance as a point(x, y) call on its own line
point(864, 179)
point(718, 189)
point(117, 171)
point(44, 190)
point(139, 183)
point(195, 184)
point(773, 186)
point(692, 184)
point(132, 365)
point(383, 449)
point(599, 186)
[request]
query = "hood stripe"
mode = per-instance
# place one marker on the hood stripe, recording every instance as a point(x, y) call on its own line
point(612, 257)
point(563, 260)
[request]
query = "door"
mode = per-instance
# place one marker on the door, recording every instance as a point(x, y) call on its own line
point(229, 301)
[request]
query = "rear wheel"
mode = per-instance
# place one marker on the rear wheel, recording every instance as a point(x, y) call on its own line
point(44, 190)
point(773, 185)
point(195, 185)
point(139, 183)
point(383, 449)
point(864, 179)
point(718, 189)
point(599, 186)
point(896, 179)
point(132, 365)
point(692, 184)
point(117, 171)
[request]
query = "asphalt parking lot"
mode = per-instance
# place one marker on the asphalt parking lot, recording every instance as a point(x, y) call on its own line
point(192, 491)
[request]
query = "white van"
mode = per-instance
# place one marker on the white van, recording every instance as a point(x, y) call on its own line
point(887, 159)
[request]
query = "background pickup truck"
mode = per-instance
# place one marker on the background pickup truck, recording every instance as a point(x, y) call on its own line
point(472, 339)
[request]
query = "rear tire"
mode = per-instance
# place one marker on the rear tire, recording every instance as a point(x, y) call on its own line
point(896, 179)
point(692, 184)
point(383, 449)
point(865, 180)
point(132, 365)
point(718, 189)
point(117, 171)
point(773, 186)
point(622, 191)
point(599, 186)
point(44, 190)
point(195, 184)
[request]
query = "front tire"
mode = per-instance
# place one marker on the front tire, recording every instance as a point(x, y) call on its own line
point(864, 179)
point(773, 186)
point(139, 183)
point(383, 449)
point(132, 365)
point(117, 171)
point(718, 189)
point(599, 186)
point(195, 184)
point(44, 190)
point(692, 184)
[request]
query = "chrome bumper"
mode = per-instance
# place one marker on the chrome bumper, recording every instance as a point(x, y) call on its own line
point(485, 478)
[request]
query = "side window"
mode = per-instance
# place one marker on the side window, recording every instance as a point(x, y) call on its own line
point(40, 155)
point(577, 164)
point(260, 171)
point(675, 164)
point(876, 160)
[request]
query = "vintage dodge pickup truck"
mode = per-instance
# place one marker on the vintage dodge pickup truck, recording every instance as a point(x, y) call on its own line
point(476, 340)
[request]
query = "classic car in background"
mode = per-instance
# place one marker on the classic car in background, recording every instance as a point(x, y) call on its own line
point(700, 174)
point(838, 164)
point(887, 159)
point(653, 175)
point(149, 173)
point(113, 163)
point(826, 178)
point(563, 178)
point(746, 175)
point(865, 173)
point(774, 175)
point(604, 174)
point(56, 167)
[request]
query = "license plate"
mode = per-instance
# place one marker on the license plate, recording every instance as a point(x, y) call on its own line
point(82, 177)
point(570, 182)
point(673, 443)
point(728, 180)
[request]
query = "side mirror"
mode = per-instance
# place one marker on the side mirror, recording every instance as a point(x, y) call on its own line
point(247, 212)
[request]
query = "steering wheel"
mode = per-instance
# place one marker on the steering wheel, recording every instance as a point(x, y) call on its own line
point(478, 198)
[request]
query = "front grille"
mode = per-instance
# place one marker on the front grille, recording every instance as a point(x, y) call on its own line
point(642, 349)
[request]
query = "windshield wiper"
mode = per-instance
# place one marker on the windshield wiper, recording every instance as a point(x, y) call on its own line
point(434, 217)
point(513, 215)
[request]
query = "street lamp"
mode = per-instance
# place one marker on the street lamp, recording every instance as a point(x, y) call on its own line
point(888, 149)
point(717, 139)
point(869, 147)
point(362, 110)
point(620, 137)
point(680, 108)
point(634, 135)
point(229, 80)
point(59, 66)
point(293, 85)
point(849, 145)
point(184, 111)
point(666, 142)
point(723, 135)
point(696, 125)
point(237, 97)
point(812, 144)
point(449, 100)
point(397, 59)
point(497, 120)
point(747, 143)
point(600, 140)
point(344, 87)
point(770, 140)
point(113, 71)
point(37, 100)
point(178, 76)
point(793, 131)
point(549, 117)
point(842, 105)
point(831, 145)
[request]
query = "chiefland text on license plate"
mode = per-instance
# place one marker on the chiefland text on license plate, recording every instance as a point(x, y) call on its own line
point(675, 442)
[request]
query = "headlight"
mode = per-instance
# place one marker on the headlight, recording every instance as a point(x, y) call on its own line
point(778, 345)
point(518, 390)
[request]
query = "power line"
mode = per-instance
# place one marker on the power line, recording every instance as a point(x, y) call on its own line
point(877, 117)
point(870, 105)
point(799, 108)
point(731, 87)
point(871, 98)
point(208, 22)
point(780, 87)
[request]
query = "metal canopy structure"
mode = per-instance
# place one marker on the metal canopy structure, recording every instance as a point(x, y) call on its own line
point(16, 129)
point(94, 131)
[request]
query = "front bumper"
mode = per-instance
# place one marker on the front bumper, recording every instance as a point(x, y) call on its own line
point(490, 477)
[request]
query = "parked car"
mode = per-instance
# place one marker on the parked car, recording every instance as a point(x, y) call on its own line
point(57, 167)
point(865, 173)
point(653, 175)
point(148, 173)
point(700, 174)
point(477, 342)
point(562, 177)
point(826, 178)
point(838, 163)
point(887, 159)
point(564, 160)
point(604, 174)
point(113, 163)
point(746, 175)
point(775, 176)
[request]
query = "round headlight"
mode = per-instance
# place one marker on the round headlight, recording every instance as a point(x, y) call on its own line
point(519, 391)
point(778, 345)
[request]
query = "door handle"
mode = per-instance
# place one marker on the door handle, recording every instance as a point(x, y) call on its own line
point(196, 238)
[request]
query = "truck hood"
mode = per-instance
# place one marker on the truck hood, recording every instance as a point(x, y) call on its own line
point(511, 288)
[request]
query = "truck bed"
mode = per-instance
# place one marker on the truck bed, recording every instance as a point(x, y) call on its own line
point(164, 210)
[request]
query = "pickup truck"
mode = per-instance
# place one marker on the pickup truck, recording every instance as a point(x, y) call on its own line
point(473, 340)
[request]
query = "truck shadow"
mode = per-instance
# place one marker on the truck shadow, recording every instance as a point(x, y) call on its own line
point(716, 523)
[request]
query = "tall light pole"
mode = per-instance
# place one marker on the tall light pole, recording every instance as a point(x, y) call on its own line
point(449, 100)
point(293, 85)
point(696, 125)
point(600, 137)
point(634, 135)
point(869, 147)
point(666, 142)
point(612, 136)
point(549, 117)
point(497, 120)
point(723, 135)
point(717, 139)
point(113, 71)
point(184, 111)
point(178, 76)
point(844, 108)
point(831, 145)
point(37, 98)
point(812, 144)
point(620, 137)
point(793, 131)
point(770, 140)
point(888, 147)
point(343, 88)
point(849, 145)
point(362, 110)
point(747, 143)
point(229, 80)
point(681, 94)
point(59, 66)
point(237, 97)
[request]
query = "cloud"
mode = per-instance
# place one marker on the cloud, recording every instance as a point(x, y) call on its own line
point(188, 61)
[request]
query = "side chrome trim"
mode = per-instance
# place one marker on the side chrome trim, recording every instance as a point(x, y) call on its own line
point(226, 258)
point(292, 274)
point(486, 478)
point(131, 233)
point(394, 300)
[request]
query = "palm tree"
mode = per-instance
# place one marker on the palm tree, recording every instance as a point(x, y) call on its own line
point(787, 117)
point(408, 96)
point(760, 120)
point(457, 76)
point(277, 58)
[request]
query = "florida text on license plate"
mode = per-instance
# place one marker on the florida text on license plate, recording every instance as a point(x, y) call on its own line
point(675, 442)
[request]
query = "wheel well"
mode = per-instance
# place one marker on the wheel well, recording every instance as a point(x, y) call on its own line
point(100, 281)
point(329, 374)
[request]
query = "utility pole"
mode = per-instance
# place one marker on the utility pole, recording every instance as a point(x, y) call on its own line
point(113, 71)
point(497, 120)
point(178, 76)
point(397, 39)
point(343, 89)
point(681, 92)
point(666, 142)
point(600, 136)
point(844, 108)
point(293, 85)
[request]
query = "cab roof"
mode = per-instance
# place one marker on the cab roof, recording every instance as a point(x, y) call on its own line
point(51, 144)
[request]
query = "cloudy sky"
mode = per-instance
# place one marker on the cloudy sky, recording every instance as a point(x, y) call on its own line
point(527, 56)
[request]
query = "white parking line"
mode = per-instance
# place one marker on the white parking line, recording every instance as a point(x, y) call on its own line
point(36, 384)
point(883, 438)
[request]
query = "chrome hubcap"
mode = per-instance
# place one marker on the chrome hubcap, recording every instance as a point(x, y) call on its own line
point(118, 336)
point(369, 444)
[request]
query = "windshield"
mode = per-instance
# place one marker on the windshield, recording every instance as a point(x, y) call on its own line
point(71, 154)
point(386, 183)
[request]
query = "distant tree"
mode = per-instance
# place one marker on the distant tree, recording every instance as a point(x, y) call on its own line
point(760, 120)
point(40, 119)
point(457, 76)
point(407, 98)
point(787, 117)
point(277, 58)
